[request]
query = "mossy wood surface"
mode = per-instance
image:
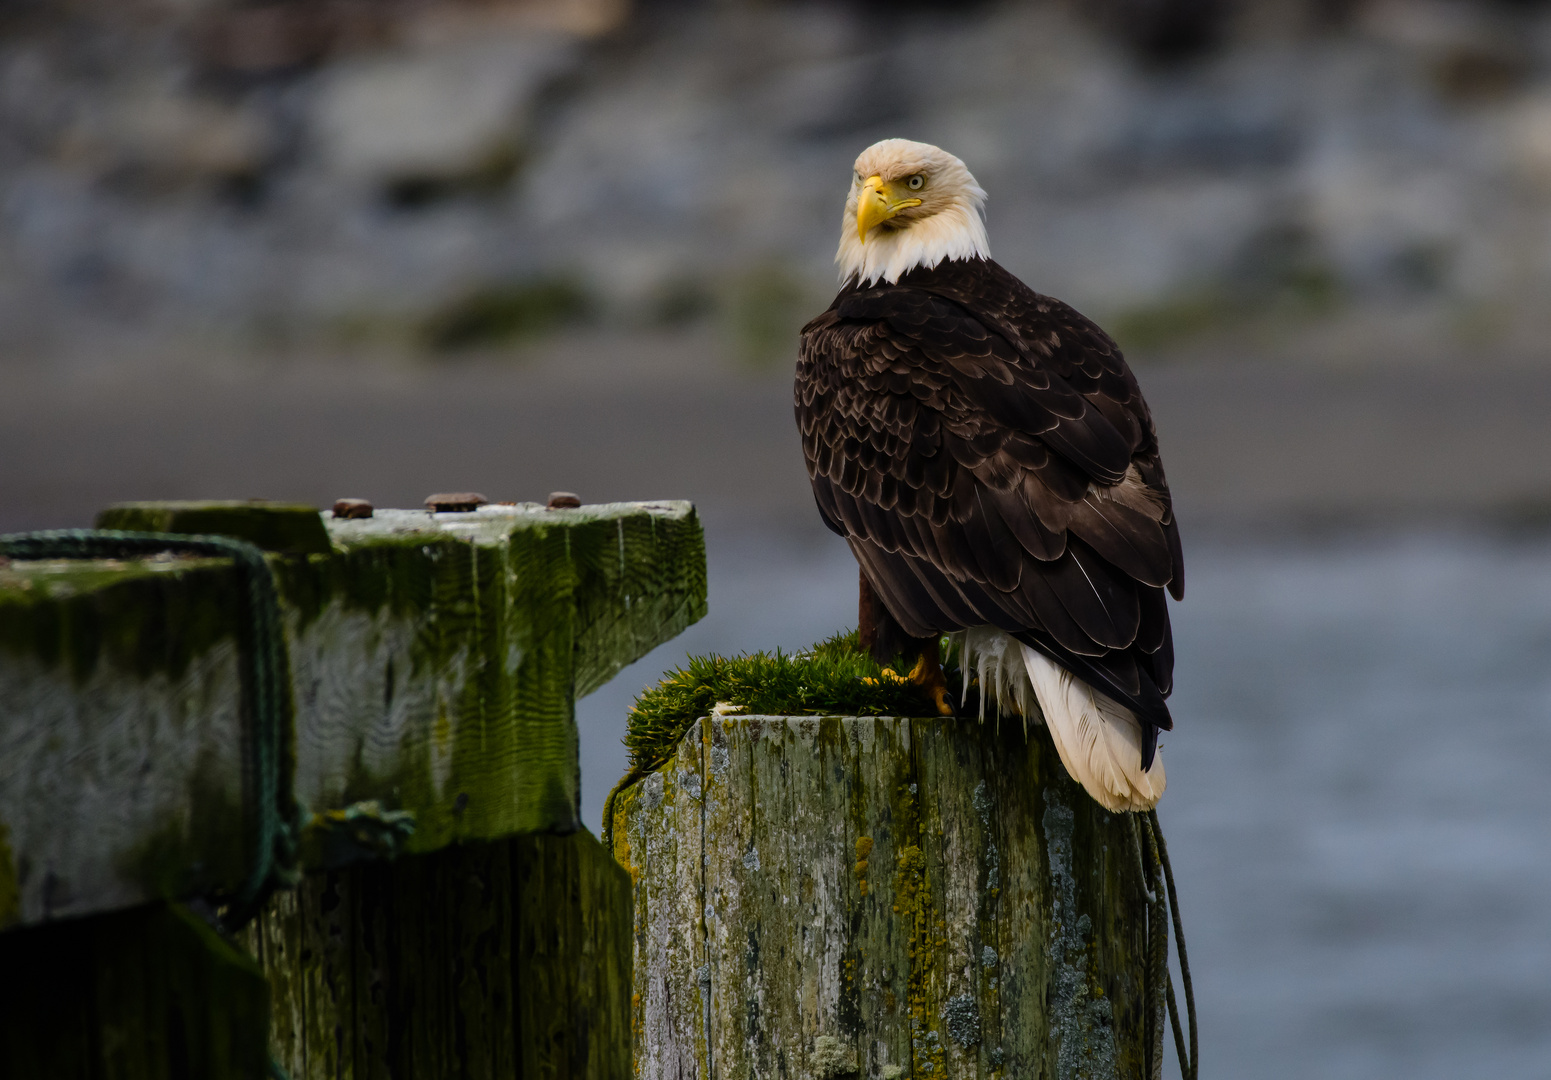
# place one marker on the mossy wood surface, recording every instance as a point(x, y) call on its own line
point(150, 993)
point(434, 661)
point(879, 897)
point(506, 959)
point(288, 528)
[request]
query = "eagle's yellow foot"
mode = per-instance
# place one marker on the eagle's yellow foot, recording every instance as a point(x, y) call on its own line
point(928, 675)
point(887, 673)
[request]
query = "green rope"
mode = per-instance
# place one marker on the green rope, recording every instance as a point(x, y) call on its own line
point(272, 813)
point(1157, 949)
point(1187, 1067)
point(1153, 854)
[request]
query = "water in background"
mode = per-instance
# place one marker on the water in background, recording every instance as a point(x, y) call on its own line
point(1357, 808)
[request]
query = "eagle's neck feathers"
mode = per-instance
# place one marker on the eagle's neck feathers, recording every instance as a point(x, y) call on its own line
point(954, 232)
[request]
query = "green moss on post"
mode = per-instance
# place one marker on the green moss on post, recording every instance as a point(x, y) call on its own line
point(881, 897)
point(500, 959)
point(518, 611)
point(573, 957)
point(291, 529)
point(138, 618)
point(120, 711)
point(434, 662)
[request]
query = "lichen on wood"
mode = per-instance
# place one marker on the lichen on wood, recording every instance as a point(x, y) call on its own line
point(121, 721)
point(434, 662)
point(438, 657)
point(934, 896)
point(502, 959)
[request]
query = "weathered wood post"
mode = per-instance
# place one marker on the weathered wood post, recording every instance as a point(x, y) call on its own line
point(865, 896)
point(451, 919)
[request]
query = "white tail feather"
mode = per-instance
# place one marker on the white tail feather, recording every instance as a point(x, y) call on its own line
point(1099, 740)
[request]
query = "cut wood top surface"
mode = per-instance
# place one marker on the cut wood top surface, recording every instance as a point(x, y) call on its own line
point(434, 662)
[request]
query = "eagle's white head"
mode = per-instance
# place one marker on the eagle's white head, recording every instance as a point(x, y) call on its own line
point(910, 205)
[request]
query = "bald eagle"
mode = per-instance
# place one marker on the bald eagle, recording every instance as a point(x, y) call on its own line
point(987, 455)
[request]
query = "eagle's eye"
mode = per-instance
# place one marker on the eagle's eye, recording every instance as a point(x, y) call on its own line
point(916, 182)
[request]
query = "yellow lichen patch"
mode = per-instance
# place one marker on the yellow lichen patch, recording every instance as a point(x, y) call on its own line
point(863, 849)
point(915, 905)
point(622, 848)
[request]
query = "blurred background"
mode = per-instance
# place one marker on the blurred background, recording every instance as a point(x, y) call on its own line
point(304, 249)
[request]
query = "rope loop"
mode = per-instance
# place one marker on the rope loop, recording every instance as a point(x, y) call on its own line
point(272, 812)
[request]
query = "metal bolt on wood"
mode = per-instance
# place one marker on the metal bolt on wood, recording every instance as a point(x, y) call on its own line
point(352, 508)
point(455, 502)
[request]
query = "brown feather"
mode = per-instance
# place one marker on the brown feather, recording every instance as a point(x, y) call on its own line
point(990, 459)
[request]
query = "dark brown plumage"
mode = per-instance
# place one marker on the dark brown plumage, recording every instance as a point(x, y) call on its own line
point(987, 454)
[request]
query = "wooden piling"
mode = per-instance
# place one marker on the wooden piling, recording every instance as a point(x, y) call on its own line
point(434, 662)
point(487, 961)
point(452, 917)
point(145, 994)
point(874, 897)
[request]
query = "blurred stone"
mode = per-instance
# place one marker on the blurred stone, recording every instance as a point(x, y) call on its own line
point(273, 37)
point(270, 171)
point(1472, 52)
point(578, 18)
point(168, 137)
point(1529, 139)
point(437, 112)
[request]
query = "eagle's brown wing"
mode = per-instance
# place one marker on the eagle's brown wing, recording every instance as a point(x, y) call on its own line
point(988, 456)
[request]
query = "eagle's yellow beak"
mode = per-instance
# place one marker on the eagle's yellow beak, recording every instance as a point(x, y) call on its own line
point(877, 202)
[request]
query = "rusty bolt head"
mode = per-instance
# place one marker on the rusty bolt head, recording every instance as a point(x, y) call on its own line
point(455, 502)
point(352, 508)
point(562, 500)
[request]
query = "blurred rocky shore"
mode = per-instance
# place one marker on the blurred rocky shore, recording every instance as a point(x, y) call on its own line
point(448, 173)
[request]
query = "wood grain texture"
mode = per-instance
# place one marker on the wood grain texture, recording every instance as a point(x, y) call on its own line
point(434, 662)
point(437, 657)
point(150, 993)
point(120, 735)
point(491, 960)
point(879, 897)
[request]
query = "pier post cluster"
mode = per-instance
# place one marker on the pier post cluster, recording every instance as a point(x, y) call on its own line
point(441, 912)
point(804, 897)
